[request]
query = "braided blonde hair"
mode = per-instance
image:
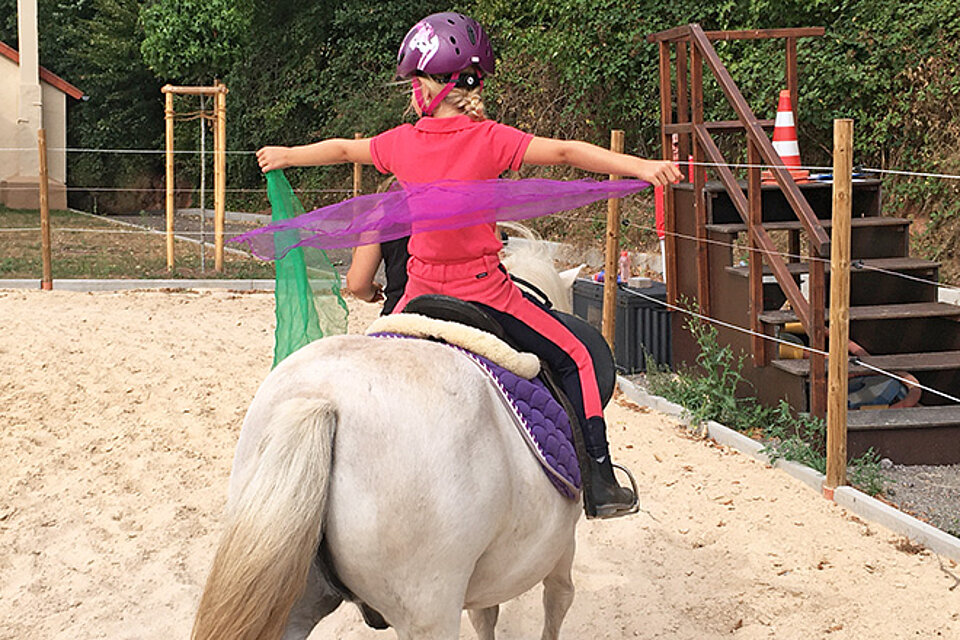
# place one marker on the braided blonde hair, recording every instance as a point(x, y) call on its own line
point(467, 101)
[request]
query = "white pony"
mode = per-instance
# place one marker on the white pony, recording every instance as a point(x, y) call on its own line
point(392, 465)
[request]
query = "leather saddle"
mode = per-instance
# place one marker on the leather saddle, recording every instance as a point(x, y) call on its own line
point(456, 310)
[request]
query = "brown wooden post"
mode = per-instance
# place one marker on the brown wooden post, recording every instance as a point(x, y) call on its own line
point(168, 121)
point(357, 170)
point(756, 259)
point(818, 333)
point(683, 100)
point(669, 214)
point(609, 320)
point(220, 174)
point(793, 82)
point(793, 86)
point(699, 181)
point(839, 305)
point(46, 281)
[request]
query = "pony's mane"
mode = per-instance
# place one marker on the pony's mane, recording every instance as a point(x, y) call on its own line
point(533, 260)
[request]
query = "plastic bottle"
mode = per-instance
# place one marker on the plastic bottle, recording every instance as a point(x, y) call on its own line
point(624, 266)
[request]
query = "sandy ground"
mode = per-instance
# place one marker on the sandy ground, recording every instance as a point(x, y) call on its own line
point(118, 417)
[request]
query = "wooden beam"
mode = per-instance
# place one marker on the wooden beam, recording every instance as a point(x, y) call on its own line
point(194, 91)
point(699, 182)
point(719, 126)
point(766, 34)
point(663, 37)
point(755, 264)
point(666, 119)
point(220, 176)
point(683, 102)
point(609, 319)
point(839, 304)
point(168, 114)
point(793, 82)
point(357, 171)
point(817, 333)
point(678, 33)
point(46, 281)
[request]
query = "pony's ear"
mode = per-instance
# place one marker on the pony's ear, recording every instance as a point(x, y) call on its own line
point(570, 275)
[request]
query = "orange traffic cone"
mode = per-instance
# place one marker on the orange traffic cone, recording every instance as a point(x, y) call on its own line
point(785, 141)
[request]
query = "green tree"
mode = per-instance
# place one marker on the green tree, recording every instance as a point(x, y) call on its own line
point(193, 41)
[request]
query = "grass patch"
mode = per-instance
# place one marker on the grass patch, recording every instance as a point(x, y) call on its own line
point(107, 250)
point(710, 393)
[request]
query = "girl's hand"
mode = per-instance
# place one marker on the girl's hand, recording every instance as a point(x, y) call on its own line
point(658, 172)
point(271, 158)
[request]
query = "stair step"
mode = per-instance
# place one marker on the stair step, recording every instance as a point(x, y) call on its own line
point(914, 417)
point(795, 225)
point(918, 435)
point(877, 312)
point(889, 264)
point(913, 362)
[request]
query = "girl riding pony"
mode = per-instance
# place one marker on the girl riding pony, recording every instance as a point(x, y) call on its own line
point(446, 56)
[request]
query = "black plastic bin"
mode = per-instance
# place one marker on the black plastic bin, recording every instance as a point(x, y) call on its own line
point(642, 325)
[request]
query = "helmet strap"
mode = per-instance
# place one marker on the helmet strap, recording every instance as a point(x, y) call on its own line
point(427, 109)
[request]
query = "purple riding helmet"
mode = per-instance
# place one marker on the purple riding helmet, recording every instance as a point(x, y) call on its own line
point(444, 44)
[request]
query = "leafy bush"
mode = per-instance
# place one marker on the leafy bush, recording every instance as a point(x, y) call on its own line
point(713, 392)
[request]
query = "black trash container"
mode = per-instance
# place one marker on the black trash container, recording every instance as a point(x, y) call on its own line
point(642, 323)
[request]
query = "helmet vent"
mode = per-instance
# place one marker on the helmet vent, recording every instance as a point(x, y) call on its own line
point(471, 34)
point(453, 40)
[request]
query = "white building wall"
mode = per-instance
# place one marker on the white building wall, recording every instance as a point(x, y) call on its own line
point(9, 83)
point(54, 121)
point(55, 124)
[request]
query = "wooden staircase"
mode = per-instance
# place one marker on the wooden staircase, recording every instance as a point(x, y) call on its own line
point(726, 244)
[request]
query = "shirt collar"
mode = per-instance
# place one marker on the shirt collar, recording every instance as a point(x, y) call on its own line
point(444, 125)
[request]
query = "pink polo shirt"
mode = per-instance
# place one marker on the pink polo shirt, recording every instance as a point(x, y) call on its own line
point(456, 148)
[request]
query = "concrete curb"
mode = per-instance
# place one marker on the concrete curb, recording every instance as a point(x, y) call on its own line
point(124, 285)
point(849, 498)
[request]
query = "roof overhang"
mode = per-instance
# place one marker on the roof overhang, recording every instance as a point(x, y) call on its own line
point(45, 74)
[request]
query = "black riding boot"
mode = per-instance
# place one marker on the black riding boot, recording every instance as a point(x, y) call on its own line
point(603, 497)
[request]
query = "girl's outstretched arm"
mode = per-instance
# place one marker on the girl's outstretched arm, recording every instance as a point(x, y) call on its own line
point(331, 151)
point(590, 157)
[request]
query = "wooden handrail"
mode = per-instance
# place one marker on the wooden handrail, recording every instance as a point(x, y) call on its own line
point(681, 33)
point(716, 125)
point(799, 204)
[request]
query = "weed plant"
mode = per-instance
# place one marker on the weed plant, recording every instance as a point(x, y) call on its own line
point(710, 392)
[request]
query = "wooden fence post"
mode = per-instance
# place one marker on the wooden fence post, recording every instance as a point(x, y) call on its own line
point(839, 306)
point(168, 121)
point(46, 281)
point(357, 171)
point(613, 253)
point(220, 174)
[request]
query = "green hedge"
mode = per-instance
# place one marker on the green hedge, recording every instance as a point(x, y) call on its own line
point(299, 71)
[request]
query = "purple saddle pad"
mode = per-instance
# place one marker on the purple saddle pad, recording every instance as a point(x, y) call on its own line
point(546, 425)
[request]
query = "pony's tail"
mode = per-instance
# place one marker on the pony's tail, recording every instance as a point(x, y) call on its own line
point(272, 530)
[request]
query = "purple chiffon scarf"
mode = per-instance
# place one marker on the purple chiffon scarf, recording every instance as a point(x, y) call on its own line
point(415, 208)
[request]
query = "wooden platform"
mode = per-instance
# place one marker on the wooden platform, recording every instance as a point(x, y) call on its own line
point(878, 312)
point(912, 362)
